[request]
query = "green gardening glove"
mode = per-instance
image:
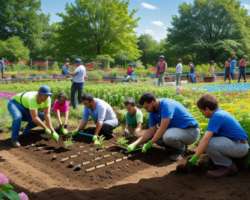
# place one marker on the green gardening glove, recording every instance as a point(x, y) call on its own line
point(194, 159)
point(146, 147)
point(94, 139)
point(47, 131)
point(131, 147)
point(74, 133)
point(64, 131)
point(55, 136)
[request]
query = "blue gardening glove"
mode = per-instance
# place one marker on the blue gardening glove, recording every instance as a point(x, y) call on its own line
point(74, 133)
point(65, 71)
point(131, 147)
point(146, 147)
point(55, 136)
point(194, 159)
point(47, 131)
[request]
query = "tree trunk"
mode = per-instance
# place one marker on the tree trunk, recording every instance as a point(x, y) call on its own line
point(98, 49)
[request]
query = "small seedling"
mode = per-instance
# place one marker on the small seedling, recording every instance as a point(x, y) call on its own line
point(122, 142)
point(100, 141)
point(68, 142)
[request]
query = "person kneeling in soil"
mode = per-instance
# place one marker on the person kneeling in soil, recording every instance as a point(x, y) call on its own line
point(178, 128)
point(32, 107)
point(134, 118)
point(102, 114)
point(61, 106)
point(224, 138)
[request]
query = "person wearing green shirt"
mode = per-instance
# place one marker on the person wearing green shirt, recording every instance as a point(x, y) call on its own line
point(134, 118)
point(34, 108)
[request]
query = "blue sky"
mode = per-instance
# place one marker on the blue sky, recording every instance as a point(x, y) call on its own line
point(155, 15)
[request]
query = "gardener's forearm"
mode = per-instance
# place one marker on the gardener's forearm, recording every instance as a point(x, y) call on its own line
point(59, 116)
point(39, 122)
point(82, 125)
point(138, 128)
point(72, 73)
point(204, 143)
point(66, 117)
point(146, 137)
point(48, 122)
point(98, 127)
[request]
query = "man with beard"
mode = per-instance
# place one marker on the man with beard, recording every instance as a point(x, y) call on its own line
point(178, 128)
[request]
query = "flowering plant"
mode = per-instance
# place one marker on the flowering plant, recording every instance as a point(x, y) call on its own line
point(6, 190)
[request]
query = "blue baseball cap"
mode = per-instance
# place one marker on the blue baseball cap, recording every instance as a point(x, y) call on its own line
point(78, 60)
point(45, 90)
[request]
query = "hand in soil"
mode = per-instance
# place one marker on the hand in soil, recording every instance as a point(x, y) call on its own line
point(146, 147)
point(64, 131)
point(192, 168)
point(131, 147)
point(94, 139)
point(194, 159)
point(47, 131)
point(74, 133)
point(55, 136)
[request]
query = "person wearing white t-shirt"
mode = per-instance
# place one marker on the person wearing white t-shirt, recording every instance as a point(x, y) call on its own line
point(78, 82)
point(178, 72)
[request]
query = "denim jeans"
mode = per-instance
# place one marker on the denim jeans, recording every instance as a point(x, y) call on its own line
point(242, 71)
point(2, 71)
point(76, 87)
point(19, 114)
point(192, 78)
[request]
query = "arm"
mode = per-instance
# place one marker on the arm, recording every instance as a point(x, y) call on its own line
point(82, 125)
point(161, 130)
point(147, 136)
point(47, 118)
point(98, 127)
point(36, 119)
point(204, 143)
point(129, 129)
point(58, 116)
point(138, 128)
point(73, 73)
point(66, 117)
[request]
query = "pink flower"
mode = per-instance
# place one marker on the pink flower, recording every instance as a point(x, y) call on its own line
point(3, 122)
point(23, 196)
point(3, 179)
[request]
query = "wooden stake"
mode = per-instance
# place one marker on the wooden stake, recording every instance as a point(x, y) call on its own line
point(64, 159)
point(113, 153)
point(85, 151)
point(90, 169)
point(105, 156)
point(74, 156)
point(118, 160)
point(110, 163)
point(99, 166)
point(85, 163)
point(124, 158)
point(97, 158)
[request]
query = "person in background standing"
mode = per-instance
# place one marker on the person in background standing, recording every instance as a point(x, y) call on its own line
point(178, 72)
point(242, 68)
point(161, 68)
point(212, 68)
point(227, 70)
point(232, 67)
point(192, 71)
point(65, 66)
point(78, 82)
point(2, 67)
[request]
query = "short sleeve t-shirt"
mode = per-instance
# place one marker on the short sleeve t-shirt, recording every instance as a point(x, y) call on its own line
point(223, 124)
point(79, 78)
point(161, 67)
point(179, 68)
point(232, 67)
point(62, 108)
point(102, 112)
point(171, 109)
point(2, 64)
point(192, 71)
point(132, 121)
point(29, 101)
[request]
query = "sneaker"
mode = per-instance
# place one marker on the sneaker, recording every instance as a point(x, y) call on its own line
point(177, 154)
point(223, 171)
point(15, 143)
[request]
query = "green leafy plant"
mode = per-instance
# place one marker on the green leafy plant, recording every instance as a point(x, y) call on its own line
point(68, 142)
point(122, 142)
point(100, 141)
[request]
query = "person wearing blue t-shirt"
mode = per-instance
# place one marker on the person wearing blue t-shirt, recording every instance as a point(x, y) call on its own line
point(192, 71)
point(224, 138)
point(102, 114)
point(2, 67)
point(232, 67)
point(178, 128)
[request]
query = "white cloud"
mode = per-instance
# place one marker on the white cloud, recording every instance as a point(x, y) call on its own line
point(164, 27)
point(149, 6)
point(247, 6)
point(150, 31)
point(157, 23)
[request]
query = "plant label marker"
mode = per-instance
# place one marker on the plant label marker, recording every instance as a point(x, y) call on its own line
point(81, 146)
point(71, 163)
point(85, 163)
point(99, 166)
point(74, 156)
point(54, 156)
point(113, 153)
point(79, 166)
point(85, 151)
point(118, 160)
point(90, 169)
point(97, 158)
point(110, 163)
point(125, 158)
point(32, 145)
point(64, 159)
point(105, 156)
point(91, 154)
